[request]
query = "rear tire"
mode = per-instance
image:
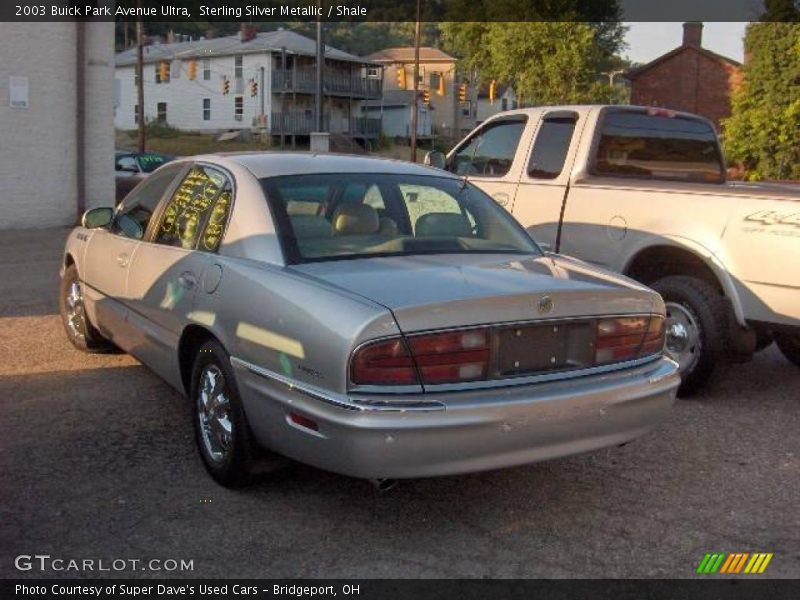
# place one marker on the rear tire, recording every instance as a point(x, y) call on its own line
point(223, 435)
point(789, 345)
point(696, 328)
point(80, 331)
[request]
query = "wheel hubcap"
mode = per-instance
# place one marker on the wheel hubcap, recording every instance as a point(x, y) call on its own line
point(75, 313)
point(683, 342)
point(213, 409)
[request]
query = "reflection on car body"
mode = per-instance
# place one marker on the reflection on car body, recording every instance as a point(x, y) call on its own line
point(371, 317)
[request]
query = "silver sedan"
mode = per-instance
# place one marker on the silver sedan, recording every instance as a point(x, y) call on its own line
point(371, 317)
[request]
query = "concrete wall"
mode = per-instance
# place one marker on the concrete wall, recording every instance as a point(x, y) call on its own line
point(690, 81)
point(38, 153)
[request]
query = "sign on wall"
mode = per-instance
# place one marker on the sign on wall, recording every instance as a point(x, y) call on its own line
point(18, 92)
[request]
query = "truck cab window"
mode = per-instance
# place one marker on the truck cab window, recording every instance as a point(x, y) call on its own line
point(490, 152)
point(551, 146)
point(661, 145)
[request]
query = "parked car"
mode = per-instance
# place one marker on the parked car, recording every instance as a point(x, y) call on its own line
point(132, 167)
point(370, 317)
point(642, 191)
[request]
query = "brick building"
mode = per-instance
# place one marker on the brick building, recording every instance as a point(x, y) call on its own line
point(689, 78)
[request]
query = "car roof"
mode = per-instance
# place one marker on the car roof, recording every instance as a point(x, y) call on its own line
point(273, 164)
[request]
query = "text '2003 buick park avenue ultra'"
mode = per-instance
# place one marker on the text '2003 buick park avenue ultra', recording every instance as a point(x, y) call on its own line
point(371, 317)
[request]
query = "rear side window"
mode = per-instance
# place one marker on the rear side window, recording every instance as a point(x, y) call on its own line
point(658, 146)
point(491, 151)
point(551, 146)
point(196, 215)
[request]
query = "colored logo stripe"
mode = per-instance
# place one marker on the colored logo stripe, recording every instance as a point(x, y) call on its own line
point(733, 563)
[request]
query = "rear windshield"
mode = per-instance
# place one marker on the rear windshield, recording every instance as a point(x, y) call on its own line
point(330, 217)
point(658, 145)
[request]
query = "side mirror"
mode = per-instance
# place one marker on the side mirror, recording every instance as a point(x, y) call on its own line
point(97, 217)
point(436, 159)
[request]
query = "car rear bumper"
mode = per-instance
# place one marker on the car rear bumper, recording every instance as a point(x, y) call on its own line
point(476, 430)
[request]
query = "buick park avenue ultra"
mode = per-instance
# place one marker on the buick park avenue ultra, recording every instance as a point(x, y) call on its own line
point(370, 317)
point(642, 191)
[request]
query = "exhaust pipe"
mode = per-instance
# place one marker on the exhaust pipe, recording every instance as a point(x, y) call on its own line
point(383, 485)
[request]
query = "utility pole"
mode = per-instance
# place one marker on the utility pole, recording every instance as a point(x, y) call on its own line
point(415, 105)
point(320, 70)
point(140, 76)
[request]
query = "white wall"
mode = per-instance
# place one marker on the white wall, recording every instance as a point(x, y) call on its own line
point(38, 154)
point(184, 97)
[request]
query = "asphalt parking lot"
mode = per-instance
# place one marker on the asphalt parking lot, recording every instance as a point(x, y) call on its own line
point(97, 461)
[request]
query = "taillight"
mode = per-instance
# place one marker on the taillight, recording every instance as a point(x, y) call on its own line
point(449, 357)
point(452, 357)
point(383, 363)
point(628, 338)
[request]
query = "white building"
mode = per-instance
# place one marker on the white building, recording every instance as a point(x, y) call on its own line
point(505, 99)
point(56, 121)
point(236, 82)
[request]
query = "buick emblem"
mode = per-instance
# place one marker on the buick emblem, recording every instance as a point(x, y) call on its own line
point(545, 305)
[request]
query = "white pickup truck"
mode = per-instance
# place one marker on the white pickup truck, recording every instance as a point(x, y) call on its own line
point(643, 191)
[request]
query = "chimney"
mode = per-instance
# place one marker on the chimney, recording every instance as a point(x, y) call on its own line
point(247, 32)
point(693, 33)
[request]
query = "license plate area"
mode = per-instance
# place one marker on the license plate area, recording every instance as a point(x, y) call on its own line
point(545, 347)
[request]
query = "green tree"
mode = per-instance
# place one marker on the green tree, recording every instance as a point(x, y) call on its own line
point(548, 62)
point(763, 133)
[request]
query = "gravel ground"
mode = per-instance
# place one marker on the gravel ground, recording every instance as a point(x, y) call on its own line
point(97, 461)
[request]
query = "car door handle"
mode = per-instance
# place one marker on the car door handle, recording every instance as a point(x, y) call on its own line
point(122, 260)
point(187, 280)
point(501, 198)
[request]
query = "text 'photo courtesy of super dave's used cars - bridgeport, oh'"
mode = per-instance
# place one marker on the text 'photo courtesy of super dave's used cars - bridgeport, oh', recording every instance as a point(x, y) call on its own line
point(370, 317)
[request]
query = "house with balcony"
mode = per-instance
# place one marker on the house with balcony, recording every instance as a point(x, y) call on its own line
point(265, 81)
point(445, 95)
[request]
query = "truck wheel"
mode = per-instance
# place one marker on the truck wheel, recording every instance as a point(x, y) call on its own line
point(789, 345)
point(80, 331)
point(696, 328)
point(223, 435)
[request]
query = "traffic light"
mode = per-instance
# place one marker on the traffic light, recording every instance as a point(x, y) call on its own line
point(253, 88)
point(226, 86)
point(426, 97)
point(462, 93)
point(401, 77)
point(492, 91)
point(163, 71)
point(192, 71)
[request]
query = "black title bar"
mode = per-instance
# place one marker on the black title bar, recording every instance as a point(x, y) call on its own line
point(178, 11)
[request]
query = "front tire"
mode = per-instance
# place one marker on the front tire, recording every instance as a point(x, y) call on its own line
point(789, 345)
point(223, 436)
point(696, 328)
point(80, 331)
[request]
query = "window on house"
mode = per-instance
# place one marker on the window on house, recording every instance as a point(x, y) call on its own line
point(238, 66)
point(136, 114)
point(550, 148)
point(373, 73)
point(238, 108)
point(175, 69)
point(206, 109)
point(161, 112)
point(206, 69)
point(421, 76)
point(135, 77)
point(466, 108)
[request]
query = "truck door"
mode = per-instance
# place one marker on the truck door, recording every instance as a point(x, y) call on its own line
point(543, 184)
point(490, 158)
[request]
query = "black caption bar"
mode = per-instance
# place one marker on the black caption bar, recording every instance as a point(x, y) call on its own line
point(402, 589)
point(399, 10)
